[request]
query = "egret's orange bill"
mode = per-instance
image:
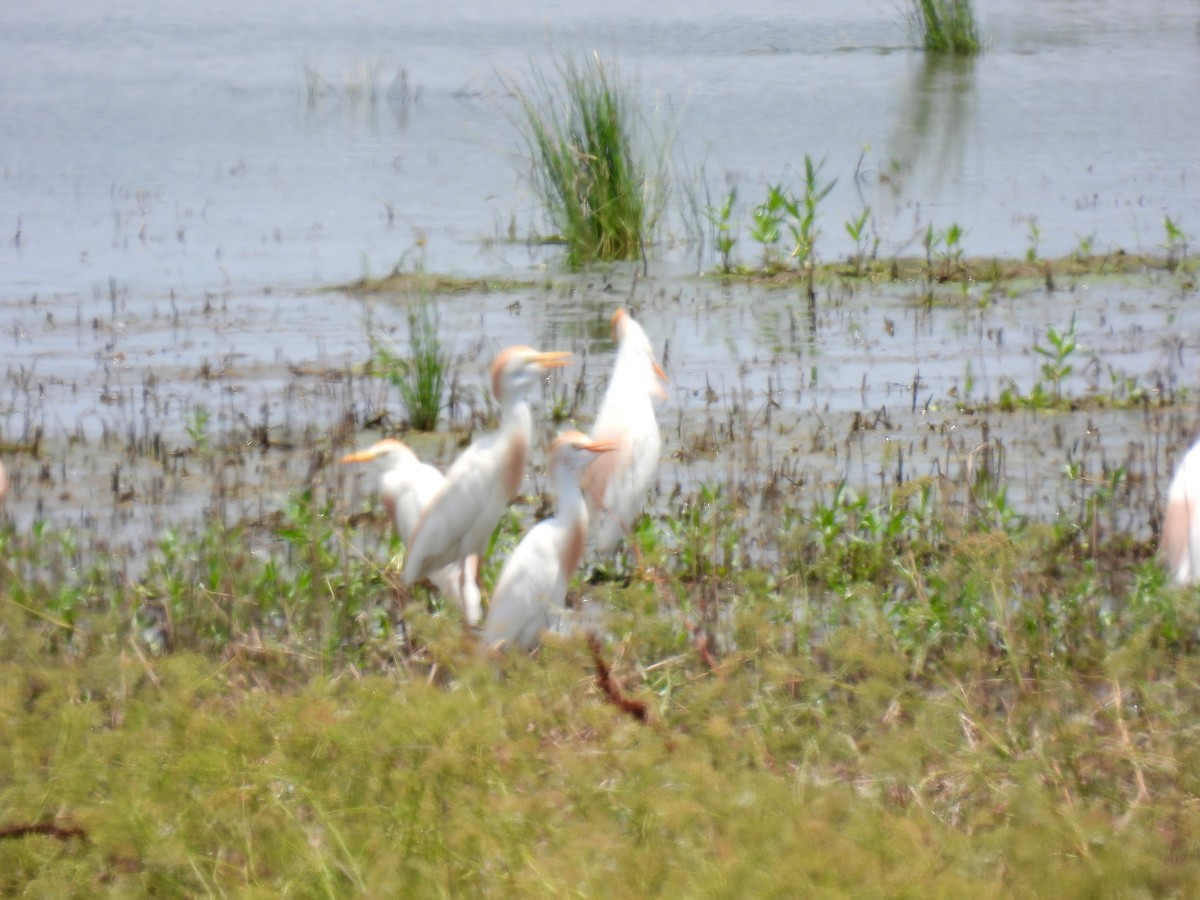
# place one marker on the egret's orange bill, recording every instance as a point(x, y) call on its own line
point(554, 359)
point(359, 456)
point(601, 446)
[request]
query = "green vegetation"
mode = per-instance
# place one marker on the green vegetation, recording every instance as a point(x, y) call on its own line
point(421, 376)
point(197, 428)
point(1175, 244)
point(802, 221)
point(766, 226)
point(1062, 355)
point(600, 194)
point(781, 209)
point(943, 252)
point(1058, 356)
point(1035, 238)
point(956, 268)
point(923, 691)
point(725, 237)
point(857, 230)
point(945, 26)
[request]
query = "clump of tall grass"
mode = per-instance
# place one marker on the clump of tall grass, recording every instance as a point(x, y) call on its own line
point(600, 195)
point(421, 376)
point(945, 26)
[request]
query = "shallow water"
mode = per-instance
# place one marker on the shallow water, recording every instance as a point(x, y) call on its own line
point(174, 149)
point(174, 192)
point(149, 422)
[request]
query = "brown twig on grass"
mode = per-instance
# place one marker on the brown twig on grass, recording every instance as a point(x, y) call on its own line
point(62, 832)
point(611, 690)
point(700, 639)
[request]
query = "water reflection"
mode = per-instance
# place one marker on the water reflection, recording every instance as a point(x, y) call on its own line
point(362, 92)
point(937, 109)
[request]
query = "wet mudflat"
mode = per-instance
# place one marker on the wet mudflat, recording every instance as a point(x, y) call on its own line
point(127, 419)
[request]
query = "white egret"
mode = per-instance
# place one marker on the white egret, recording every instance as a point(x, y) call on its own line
point(532, 589)
point(458, 522)
point(617, 485)
point(1181, 524)
point(406, 486)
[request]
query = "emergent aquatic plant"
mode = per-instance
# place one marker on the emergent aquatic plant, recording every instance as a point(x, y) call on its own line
point(421, 377)
point(1058, 356)
point(946, 248)
point(856, 228)
point(766, 224)
point(721, 221)
point(1063, 346)
point(1035, 239)
point(945, 26)
point(1176, 243)
point(803, 222)
point(197, 429)
point(600, 196)
point(1083, 249)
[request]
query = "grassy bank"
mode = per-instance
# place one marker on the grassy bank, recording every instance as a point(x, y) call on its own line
point(854, 664)
point(912, 699)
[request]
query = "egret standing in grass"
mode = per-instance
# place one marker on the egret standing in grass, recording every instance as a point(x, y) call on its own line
point(458, 522)
point(1181, 525)
point(406, 486)
point(617, 485)
point(532, 589)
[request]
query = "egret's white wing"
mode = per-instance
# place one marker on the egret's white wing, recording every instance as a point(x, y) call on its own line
point(462, 515)
point(410, 489)
point(530, 594)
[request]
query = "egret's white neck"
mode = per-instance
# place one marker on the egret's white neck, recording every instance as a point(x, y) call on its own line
point(515, 412)
point(571, 508)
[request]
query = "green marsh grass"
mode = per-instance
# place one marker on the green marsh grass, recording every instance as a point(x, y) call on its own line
point(587, 145)
point(945, 26)
point(919, 695)
point(422, 375)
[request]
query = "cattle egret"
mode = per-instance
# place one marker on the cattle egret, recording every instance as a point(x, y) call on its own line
point(406, 485)
point(532, 589)
point(458, 522)
point(1181, 525)
point(616, 487)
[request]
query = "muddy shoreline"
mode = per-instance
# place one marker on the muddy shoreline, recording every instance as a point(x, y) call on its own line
point(124, 416)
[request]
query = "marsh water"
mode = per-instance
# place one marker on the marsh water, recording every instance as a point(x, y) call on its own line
point(179, 185)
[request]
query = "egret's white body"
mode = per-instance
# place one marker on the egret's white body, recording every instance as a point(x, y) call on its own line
point(458, 522)
point(617, 484)
point(1181, 524)
point(406, 486)
point(532, 590)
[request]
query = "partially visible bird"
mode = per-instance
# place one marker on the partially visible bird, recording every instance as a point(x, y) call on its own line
point(406, 486)
point(458, 522)
point(1181, 524)
point(532, 589)
point(617, 485)
point(3, 482)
